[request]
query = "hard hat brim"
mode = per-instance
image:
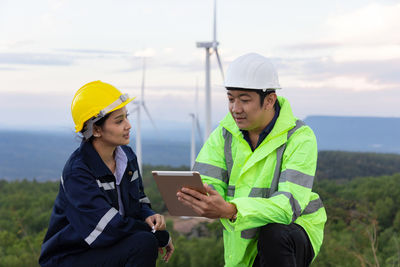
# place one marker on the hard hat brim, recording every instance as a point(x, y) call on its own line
point(80, 126)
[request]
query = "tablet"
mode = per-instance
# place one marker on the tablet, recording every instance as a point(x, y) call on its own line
point(170, 182)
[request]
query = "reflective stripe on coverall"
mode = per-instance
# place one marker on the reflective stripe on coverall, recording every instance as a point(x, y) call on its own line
point(270, 185)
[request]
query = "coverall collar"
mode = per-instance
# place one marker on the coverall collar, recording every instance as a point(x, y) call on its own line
point(93, 160)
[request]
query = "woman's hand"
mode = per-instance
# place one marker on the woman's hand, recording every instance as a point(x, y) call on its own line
point(156, 222)
point(169, 249)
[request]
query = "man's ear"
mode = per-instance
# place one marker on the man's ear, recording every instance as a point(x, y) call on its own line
point(269, 101)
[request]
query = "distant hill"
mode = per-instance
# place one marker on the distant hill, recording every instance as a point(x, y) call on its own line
point(41, 155)
point(335, 165)
point(360, 134)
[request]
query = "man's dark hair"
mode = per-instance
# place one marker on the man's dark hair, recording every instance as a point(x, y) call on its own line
point(261, 93)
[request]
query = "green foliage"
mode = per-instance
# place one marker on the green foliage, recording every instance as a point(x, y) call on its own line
point(25, 209)
point(363, 227)
point(349, 165)
point(204, 251)
point(363, 222)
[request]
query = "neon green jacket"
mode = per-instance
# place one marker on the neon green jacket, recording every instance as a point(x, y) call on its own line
point(270, 185)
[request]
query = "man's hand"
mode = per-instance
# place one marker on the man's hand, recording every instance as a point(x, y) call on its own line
point(169, 249)
point(211, 205)
point(156, 222)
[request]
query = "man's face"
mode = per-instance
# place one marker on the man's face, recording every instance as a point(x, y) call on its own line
point(245, 108)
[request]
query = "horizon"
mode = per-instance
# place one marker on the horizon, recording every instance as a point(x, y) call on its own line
point(45, 152)
point(148, 127)
point(338, 59)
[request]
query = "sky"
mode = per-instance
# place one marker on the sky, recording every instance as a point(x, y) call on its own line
point(338, 58)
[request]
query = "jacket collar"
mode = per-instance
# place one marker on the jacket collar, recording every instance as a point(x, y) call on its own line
point(93, 160)
point(275, 138)
point(284, 123)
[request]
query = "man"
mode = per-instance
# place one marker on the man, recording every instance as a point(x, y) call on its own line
point(259, 165)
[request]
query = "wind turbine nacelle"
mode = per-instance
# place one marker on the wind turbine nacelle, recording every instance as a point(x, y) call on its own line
point(206, 44)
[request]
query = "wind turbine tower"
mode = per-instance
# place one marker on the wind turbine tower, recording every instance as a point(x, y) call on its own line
point(141, 104)
point(195, 125)
point(210, 47)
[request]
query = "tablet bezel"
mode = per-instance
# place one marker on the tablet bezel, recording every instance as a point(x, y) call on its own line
point(170, 182)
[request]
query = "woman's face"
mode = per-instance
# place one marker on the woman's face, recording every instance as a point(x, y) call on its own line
point(115, 130)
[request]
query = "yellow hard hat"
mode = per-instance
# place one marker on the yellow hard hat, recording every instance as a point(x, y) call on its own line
point(93, 101)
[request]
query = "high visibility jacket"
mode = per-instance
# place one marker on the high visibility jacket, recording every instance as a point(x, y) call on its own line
point(270, 185)
point(86, 211)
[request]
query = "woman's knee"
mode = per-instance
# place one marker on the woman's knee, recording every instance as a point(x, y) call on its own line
point(148, 244)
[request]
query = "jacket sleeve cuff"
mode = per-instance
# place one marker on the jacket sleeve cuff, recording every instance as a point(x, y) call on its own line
point(146, 211)
point(229, 224)
point(163, 238)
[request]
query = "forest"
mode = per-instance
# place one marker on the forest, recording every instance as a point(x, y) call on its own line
point(360, 191)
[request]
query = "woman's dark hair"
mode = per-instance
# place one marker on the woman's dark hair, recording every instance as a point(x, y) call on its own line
point(99, 123)
point(261, 93)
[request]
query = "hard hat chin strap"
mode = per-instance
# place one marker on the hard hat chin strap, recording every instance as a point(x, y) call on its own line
point(89, 125)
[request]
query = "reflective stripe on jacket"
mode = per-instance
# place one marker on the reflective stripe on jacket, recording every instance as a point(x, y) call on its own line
point(85, 213)
point(270, 185)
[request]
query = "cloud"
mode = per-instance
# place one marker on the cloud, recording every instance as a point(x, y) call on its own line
point(15, 44)
point(9, 69)
point(190, 65)
point(312, 46)
point(357, 51)
point(94, 51)
point(375, 23)
point(36, 59)
point(30, 110)
point(159, 63)
point(64, 57)
point(367, 33)
point(329, 100)
point(324, 72)
point(148, 52)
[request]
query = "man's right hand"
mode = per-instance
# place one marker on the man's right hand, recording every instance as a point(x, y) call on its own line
point(211, 205)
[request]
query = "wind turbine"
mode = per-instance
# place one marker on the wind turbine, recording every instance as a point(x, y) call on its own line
point(210, 47)
point(141, 104)
point(195, 124)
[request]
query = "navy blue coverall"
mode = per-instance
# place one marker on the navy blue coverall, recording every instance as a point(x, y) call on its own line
point(86, 228)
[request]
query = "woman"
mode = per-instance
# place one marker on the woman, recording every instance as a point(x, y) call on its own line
point(101, 216)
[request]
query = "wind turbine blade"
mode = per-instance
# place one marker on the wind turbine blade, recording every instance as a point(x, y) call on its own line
point(215, 23)
point(196, 115)
point(148, 115)
point(219, 63)
point(199, 128)
point(143, 78)
point(134, 109)
point(193, 141)
point(196, 99)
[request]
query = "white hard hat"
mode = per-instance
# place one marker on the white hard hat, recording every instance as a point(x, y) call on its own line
point(252, 71)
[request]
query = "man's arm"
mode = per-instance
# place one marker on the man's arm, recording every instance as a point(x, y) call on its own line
point(210, 162)
point(294, 187)
point(284, 206)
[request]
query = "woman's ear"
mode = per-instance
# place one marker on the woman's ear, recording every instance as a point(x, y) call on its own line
point(96, 131)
